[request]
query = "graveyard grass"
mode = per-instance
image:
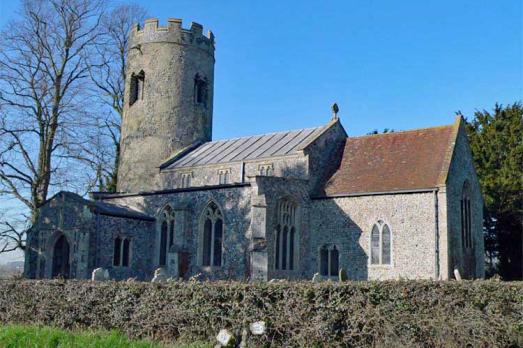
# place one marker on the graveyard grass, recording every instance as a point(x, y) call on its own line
point(15, 336)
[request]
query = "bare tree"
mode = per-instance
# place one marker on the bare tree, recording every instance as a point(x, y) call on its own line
point(107, 70)
point(42, 102)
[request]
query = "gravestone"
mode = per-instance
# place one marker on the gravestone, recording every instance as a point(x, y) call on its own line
point(456, 274)
point(160, 275)
point(258, 328)
point(225, 338)
point(342, 276)
point(100, 275)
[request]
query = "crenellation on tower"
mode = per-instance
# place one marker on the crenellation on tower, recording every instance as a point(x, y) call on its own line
point(173, 32)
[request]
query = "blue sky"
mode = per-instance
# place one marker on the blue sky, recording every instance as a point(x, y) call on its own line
point(388, 64)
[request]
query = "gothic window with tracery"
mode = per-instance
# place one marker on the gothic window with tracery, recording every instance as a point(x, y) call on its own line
point(286, 235)
point(167, 223)
point(212, 236)
point(381, 241)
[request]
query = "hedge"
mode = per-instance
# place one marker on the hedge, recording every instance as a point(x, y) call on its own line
point(298, 314)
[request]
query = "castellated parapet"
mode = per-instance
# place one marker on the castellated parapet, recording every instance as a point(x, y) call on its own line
point(173, 32)
point(169, 93)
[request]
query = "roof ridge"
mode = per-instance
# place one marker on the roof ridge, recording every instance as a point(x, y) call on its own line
point(401, 132)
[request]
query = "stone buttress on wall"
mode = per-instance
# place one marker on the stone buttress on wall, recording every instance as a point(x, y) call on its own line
point(171, 75)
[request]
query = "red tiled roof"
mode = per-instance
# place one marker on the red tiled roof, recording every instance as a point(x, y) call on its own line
point(401, 161)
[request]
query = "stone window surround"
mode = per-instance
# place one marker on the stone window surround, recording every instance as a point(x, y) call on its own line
point(137, 87)
point(47, 252)
point(224, 176)
point(380, 265)
point(130, 253)
point(329, 247)
point(467, 237)
point(295, 224)
point(167, 214)
point(266, 169)
point(201, 224)
point(201, 90)
point(185, 179)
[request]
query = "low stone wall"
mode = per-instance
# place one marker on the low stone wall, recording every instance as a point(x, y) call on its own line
point(298, 314)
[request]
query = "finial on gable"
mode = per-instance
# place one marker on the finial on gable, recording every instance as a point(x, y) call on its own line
point(335, 110)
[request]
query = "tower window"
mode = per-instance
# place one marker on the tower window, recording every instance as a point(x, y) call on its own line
point(137, 85)
point(200, 90)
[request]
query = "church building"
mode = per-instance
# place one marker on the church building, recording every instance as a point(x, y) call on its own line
point(284, 205)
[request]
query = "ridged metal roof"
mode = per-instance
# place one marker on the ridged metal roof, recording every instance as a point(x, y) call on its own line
point(247, 148)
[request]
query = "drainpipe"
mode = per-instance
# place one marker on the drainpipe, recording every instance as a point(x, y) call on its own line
point(436, 227)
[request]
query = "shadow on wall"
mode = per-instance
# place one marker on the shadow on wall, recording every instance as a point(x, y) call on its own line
point(330, 225)
point(235, 210)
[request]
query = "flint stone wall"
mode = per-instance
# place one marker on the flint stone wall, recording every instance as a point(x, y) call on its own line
point(188, 207)
point(470, 263)
point(347, 222)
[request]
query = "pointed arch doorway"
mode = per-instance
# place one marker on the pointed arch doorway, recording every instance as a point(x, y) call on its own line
point(61, 258)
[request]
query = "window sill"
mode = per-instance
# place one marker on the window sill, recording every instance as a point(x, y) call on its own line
point(381, 266)
point(210, 268)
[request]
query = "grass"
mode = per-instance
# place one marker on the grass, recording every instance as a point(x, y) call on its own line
point(14, 336)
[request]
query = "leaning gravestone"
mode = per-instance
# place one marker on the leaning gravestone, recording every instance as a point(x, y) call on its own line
point(456, 274)
point(100, 275)
point(160, 275)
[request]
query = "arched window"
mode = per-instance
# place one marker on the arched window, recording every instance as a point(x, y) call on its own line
point(185, 180)
point(126, 252)
point(466, 217)
point(329, 261)
point(166, 238)
point(200, 90)
point(380, 244)
point(117, 251)
point(122, 252)
point(286, 239)
point(137, 86)
point(224, 176)
point(212, 236)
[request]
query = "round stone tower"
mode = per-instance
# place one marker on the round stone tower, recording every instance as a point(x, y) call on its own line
point(168, 99)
